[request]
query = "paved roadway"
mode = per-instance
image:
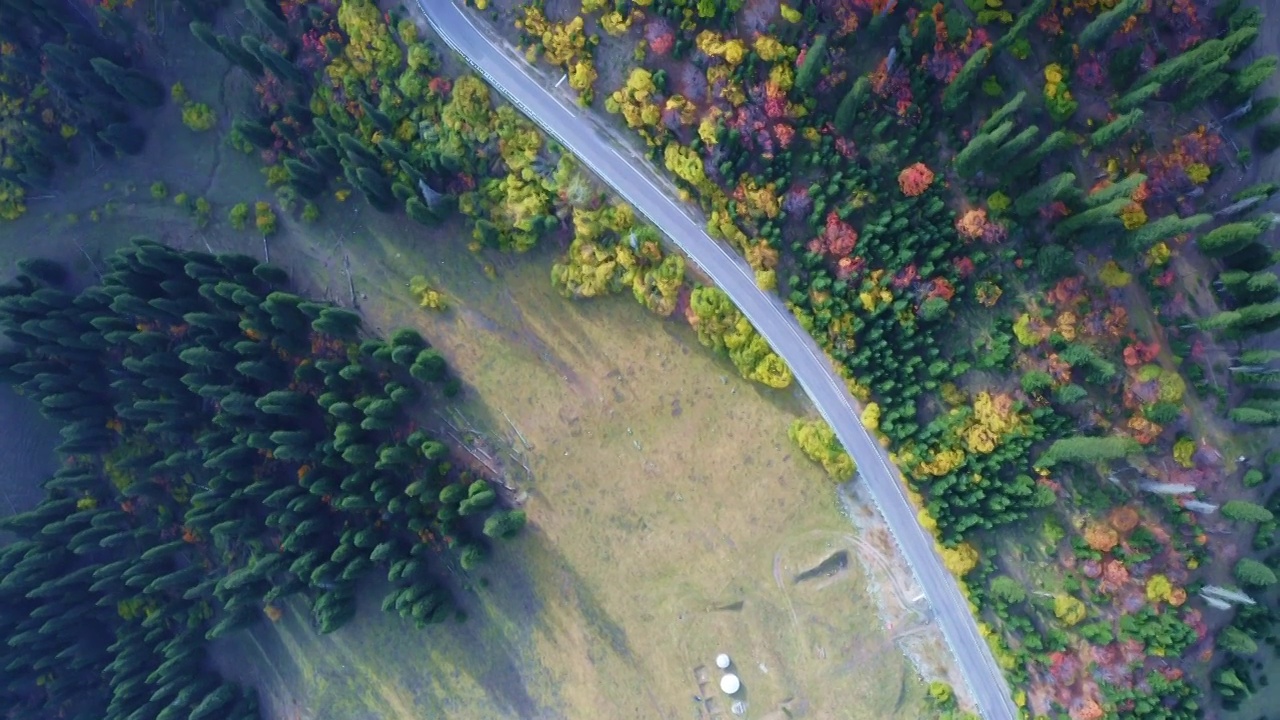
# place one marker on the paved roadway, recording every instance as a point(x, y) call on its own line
point(640, 186)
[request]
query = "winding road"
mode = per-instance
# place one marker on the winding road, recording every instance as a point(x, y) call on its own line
point(637, 183)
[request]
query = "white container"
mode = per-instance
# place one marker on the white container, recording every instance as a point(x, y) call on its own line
point(722, 661)
point(730, 684)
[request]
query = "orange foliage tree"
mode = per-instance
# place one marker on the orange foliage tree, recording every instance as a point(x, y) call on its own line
point(1102, 538)
point(1124, 519)
point(915, 179)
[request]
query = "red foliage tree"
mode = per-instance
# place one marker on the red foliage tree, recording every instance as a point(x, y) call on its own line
point(837, 239)
point(661, 38)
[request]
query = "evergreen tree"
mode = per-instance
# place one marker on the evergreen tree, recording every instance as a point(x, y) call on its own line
point(125, 138)
point(1245, 511)
point(1025, 19)
point(417, 210)
point(274, 61)
point(1136, 98)
point(1046, 193)
point(1253, 416)
point(205, 34)
point(1228, 239)
point(1249, 78)
point(131, 85)
point(504, 524)
point(1257, 318)
point(1235, 640)
point(815, 59)
point(1165, 228)
point(268, 13)
point(1106, 23)
point(980, 150)
point(851, 104)
point(238, 55)
point(1182, 66)
point(256, 133)
point(375, 189)
point(1016, 146)
point(960, 85)
point(1114, 130)
point(1252, 573)
point(1004, 112)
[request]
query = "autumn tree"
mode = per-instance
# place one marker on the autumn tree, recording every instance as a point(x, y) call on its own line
point(819, 443)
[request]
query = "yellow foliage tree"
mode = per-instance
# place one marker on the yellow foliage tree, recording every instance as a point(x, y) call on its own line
point(771, 50)
point(961, 559)
point(615, 23)
point(871, 416)
point(685, 110)
point(370, 47)
point(427, 296)
point(469, 111)
point(1070, 610)
point(1159, 589)
point(1183, 450)
point(783, 76)
point(721, 325)
point(732, 51)
point(819, 443)
point(992, 419)
point(943, 462)
point(709, 126)
point(687, 165)
point(759, 200)
point(634, 100)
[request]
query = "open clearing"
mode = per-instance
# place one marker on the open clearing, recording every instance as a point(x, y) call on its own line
point(670, 517)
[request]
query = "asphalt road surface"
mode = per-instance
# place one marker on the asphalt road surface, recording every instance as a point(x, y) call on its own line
point(640, 186)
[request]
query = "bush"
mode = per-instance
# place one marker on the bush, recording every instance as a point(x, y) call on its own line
point(198, 116)
point(310, 213)
point(159, 190)
point(264, 218)
point(239, 215)
point(204, 212)
point(1254, 477)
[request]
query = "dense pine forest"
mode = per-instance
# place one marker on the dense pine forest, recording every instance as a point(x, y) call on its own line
point(226, 445)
